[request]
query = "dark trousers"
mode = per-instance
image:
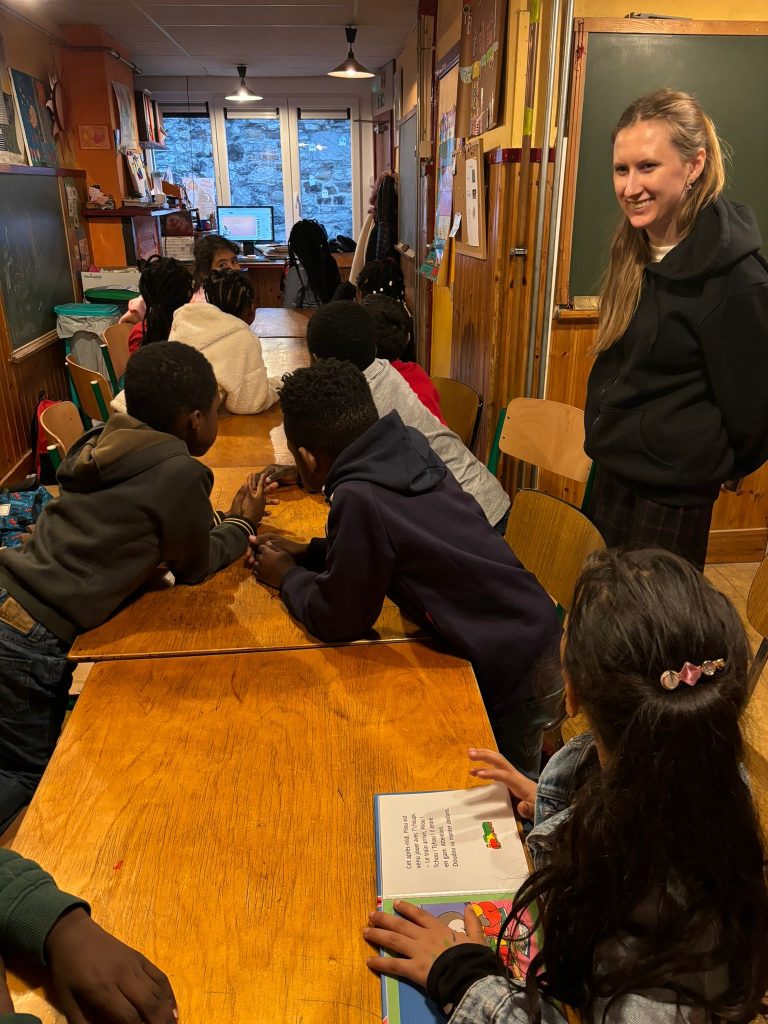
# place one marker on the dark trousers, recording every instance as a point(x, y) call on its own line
point(625, 519)
point(35, 677)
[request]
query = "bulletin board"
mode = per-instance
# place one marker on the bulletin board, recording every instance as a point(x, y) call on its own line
point(469, 200)
point(481, 59)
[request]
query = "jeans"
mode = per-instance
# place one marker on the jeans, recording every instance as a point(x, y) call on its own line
point(501, 526)
point(35, 677)
point(520, 731)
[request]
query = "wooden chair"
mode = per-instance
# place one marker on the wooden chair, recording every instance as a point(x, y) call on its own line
point(117, 353)
point(93, 391)
point(546, 434)
point(552, 540)
point(63, 426)
point(461, 406)
point(757, 617)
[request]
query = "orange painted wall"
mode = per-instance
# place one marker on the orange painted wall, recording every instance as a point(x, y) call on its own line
point(88, 81)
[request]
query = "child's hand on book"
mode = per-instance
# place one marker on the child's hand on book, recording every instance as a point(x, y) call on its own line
point(500, 769)
point(416, 938)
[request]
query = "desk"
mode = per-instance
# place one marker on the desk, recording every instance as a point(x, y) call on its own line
point(281, 323)
point(230, 612)
point(217, 814)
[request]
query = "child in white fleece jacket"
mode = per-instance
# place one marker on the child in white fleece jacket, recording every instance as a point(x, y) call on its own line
point(219, 329)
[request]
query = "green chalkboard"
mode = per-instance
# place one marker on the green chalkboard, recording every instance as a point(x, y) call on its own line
point(729, 76)
point(35, 272)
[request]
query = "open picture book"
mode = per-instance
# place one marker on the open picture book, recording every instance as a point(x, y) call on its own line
point(441, 851)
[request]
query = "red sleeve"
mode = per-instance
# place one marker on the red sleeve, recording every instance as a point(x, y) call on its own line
point(419, 381)
point(136, 337)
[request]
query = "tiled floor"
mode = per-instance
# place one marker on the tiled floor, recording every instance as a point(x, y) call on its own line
point(734, 581)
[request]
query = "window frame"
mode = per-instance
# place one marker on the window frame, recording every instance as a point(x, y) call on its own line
point(288, 108)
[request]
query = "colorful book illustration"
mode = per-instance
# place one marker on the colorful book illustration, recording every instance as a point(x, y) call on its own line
point(442, 851)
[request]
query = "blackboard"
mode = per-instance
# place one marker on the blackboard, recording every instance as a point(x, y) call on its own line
point(407, 183)
point(35, 271)
point(727, 73)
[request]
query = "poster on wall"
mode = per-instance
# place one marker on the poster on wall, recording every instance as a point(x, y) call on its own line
point(445, 170)
point(138, 175)
point(34, 119)
point(481, 56)
point(11, 146)
point(129, 133)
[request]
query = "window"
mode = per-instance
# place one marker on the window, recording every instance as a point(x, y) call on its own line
point(255, 159)
point(325, 169)
point(187, 159)
point(302, 162)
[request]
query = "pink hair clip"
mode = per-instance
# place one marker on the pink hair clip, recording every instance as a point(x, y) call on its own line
point(690, 674)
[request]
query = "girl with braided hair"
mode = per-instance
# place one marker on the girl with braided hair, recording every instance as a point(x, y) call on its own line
point(220, 329)
point(164, 285)
point(312, 275)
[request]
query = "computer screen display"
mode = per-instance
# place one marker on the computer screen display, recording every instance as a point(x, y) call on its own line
point(247, 223)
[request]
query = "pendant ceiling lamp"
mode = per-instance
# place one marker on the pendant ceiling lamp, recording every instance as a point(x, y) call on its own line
point(351, 68)
point(243, 93)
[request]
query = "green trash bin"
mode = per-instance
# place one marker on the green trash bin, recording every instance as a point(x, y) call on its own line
point(83, 316)
point(117, 296)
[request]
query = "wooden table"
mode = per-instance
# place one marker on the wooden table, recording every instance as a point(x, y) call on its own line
point(231, 611)
point(217, 814)
point(281, 323)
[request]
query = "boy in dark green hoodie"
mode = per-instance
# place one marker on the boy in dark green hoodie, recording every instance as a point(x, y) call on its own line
point(132, 498)
point(95, 976)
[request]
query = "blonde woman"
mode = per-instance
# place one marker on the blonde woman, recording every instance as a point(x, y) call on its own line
point(677, 400)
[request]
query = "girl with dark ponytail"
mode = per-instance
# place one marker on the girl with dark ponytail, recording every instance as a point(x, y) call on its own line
point(312, 275)
point(164, 285)
point(650, 869)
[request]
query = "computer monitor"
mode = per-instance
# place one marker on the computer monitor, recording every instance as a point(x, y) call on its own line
point(247, 224)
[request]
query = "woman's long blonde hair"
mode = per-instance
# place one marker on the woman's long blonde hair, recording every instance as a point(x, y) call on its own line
point(689, 130)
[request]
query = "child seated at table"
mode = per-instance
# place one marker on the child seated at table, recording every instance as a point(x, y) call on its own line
point(165, 284)
point(95, 976)
point(131, 497)
point(344, 330)
point(394, 328)
point(649, 863)
point(212, 252)
point(220, 328)
point(312, 274)
point(400, 526)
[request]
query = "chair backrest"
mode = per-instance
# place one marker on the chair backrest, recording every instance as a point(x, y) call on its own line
point(116, 338)
point(546, 434)
point(461, 406)
point(552, 539)
point(90, 387)
point(757, 617)
point(62, 425)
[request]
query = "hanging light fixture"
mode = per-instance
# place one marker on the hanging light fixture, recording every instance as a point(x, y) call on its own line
point(351, 68)
point(243, 93)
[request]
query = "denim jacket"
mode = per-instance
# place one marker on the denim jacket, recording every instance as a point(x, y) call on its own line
point(491, 999)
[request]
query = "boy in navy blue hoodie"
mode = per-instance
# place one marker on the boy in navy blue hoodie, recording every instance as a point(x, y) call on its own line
point(400, 526)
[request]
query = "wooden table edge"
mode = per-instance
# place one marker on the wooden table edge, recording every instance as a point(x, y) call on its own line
point(205, 653)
